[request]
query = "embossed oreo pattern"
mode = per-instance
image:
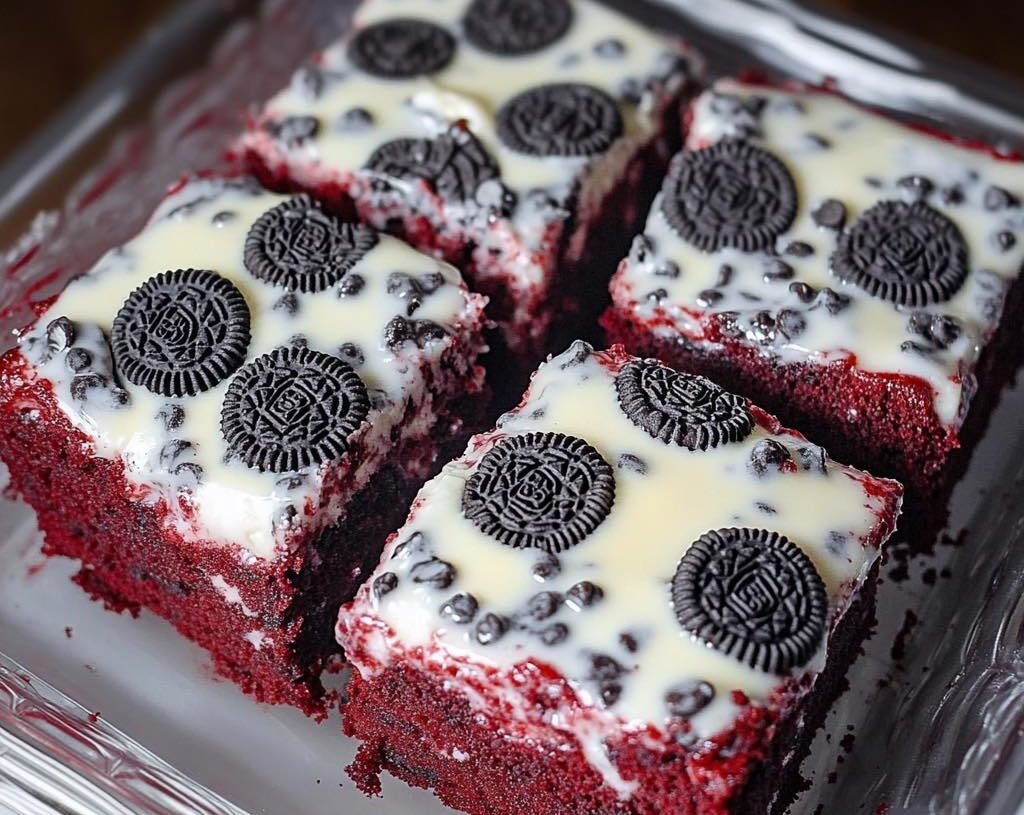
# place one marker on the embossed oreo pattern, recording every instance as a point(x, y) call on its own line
point(516, 27)
point(300, 247)
point(181, 332)
point(729, 194)
point(679, 408)
point(752, 594)
point(401, 47)
point(562, 119)
point(910, 254)
point(541, 490)
point(292, 408)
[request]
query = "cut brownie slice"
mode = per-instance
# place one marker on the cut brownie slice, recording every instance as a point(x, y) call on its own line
point(846, 271)
point(519, 140)
point(224, 419)
point(638, 594)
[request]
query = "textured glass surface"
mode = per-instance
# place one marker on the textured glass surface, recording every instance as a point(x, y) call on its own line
point(938, 730)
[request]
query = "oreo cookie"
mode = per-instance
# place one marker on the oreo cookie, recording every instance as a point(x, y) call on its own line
point(752, 594)
point(299, 247)
point(292, 408)
point(455, 164)
point(542, 490)
point(401, 48)
point(683, 409)
point(561, 119)
point(181, 332)
point(909, 254)
point(730, 194)
point(513, 27)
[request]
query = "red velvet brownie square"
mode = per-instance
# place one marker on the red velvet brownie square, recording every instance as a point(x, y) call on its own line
point(519, 140)
point(225, 418)
point(846, 271)
point(637, 594)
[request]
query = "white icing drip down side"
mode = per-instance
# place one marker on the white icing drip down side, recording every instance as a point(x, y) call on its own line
point(203, 226)
point(836, 150)
point(665, 498)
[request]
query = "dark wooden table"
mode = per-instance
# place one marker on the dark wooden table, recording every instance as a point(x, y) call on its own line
point(50, 49)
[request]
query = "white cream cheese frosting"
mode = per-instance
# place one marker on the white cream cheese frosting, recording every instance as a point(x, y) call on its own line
point(835, 150)
point(172, 448)
point(665, 497)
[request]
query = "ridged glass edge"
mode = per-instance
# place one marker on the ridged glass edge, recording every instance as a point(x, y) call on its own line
point(57, 757)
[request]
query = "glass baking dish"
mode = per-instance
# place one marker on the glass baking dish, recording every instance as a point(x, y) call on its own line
point(935, 705)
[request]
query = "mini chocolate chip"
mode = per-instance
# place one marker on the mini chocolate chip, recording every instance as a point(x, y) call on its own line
point(811, 458)
point(293, 130)
point(940, 330)
point(491, 628)
point(667, 268)
point(953, 195)
point(628, 461)
point(762, 328)
point(223, 218)
point(709, 298)
point(350, 285)
point(689, 698)
point(945, 330)
point(583, 594)
point(803, 292)
point(172, 416)
point(547, 567)
point(543, 604)
point(415, 544)
point(554, 633)
point(172, 451)
point(790, 323)
point(817, 141)
point(460, 608)
point(577, 353)
point(352, 354)
point(830, 214)
point(78, 359)
point(776, 269)
point(434, 572)
point(917, 185)
point(610, 48)
point(604, 668)
point(767, 509)
point(833, 301)
point(629, 642)
point(291, 481)
point(799, 249)
point(910, 346)
point(996, 198)
point(657, 295)
point(60, 334)
point(768, 454)
point(630, 91)
point(610, 692)
point(874, 182)
point(1005, 240)
point(354, 120)
point(725, 273)
point(385, 584)
point(288, 303)
point(641, 248)
point(750, 296)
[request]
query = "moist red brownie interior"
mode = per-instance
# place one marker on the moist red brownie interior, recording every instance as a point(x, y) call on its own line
point(854, 275)
point(639, 593)
point(521, 141)
point(225, 417)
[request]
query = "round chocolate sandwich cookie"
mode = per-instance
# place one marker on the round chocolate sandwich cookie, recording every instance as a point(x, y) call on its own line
point(729, 194)
point(299, 247)
point(542, 490)
point(401, 48)
point(752, 594)
point(455, 164)
point(292, 408)
point(181, 332)
point(682, 409)
point(513, 27)
point(909, 254)
point(562, 119)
